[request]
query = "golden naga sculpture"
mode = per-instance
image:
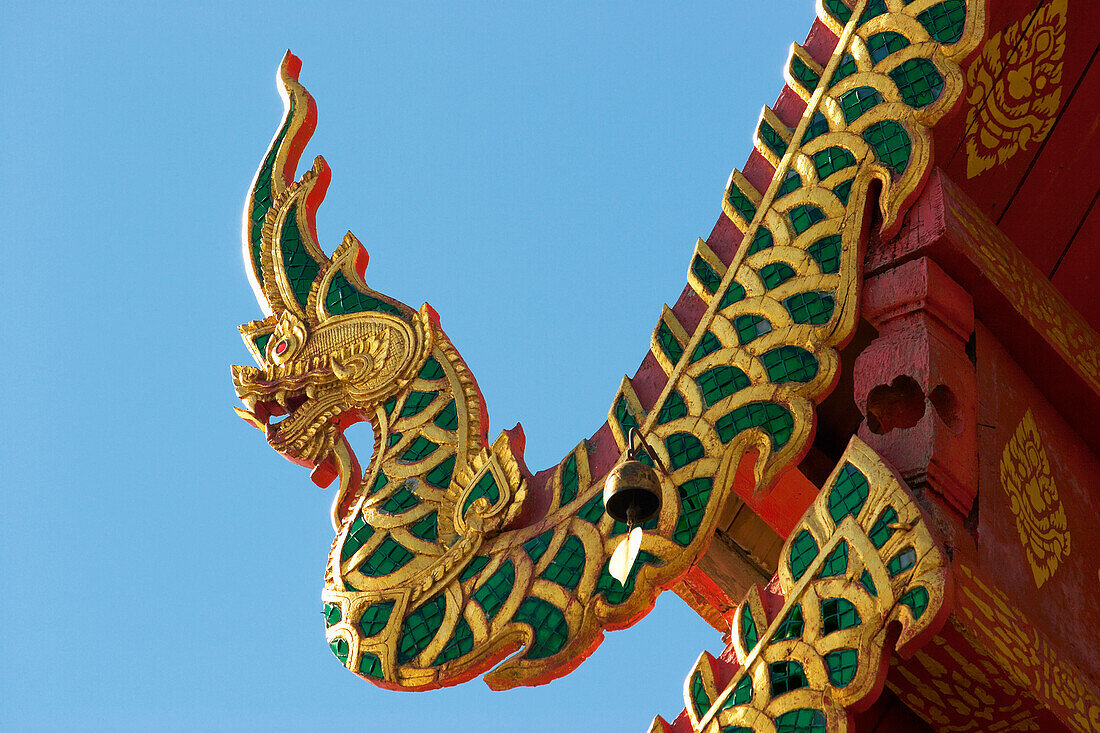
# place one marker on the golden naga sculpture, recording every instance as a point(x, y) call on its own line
point(449, 554)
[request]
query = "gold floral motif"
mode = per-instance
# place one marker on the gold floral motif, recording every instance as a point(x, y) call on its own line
point(1040, 517)
point(1015, 88)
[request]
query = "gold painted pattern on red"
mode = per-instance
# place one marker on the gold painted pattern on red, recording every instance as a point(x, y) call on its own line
point(1015, 88)
point(1033, 497)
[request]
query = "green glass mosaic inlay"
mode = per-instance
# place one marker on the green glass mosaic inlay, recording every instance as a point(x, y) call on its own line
point(668, 343)
point(623, 417)
point(706, 274)
point(400, 501)
point(789, 364)
point(919, 82)
point(440, 476)
point(826, 253)
point(432, 370)
point(570, 482)
point(495, 591)
point(881, 530)
point(902, 561)
point(299, 266)
point(708, 344)
point(358, 535)
point(772, 139)
point(474, 567)
point(792, 626)
point(945, 22)
point(693, 503)
point(857, 101)
point(261, 196)
point(818, 126)
point(838, 614)
point(548, 623)
point(416, 402)
point(775, 420)
point(917, 600)
point(332, 614)
point(486, 486)
point(261, 342)
point(891, 143)
point(447, 417)
point(786, 676)
point(868, 583)
point(776, 273)
point(882, 45)
point(803, 74)
point(844, 69)
point(750, 326)
point(836, 563)
point(843, 190)
point(420, 628)
point(389, 404)
point(390, 556)
point(741, 694)
point(340, 648)
point(735, 293)
point(749, 635)
point(838, 10)
point(536, 546)
point(427, 528)
point(567, 567)
point(418, 450)
point(803, 552)
point(370, 665)
point(761, 240)
point(832, 159)
point(375, 618)
point(683, 448)
point(791, 182)
point(380, 482)
point(848, 493)
point(343, 297)
point(741, 203)
point(593, 510)
point(699, 699)
point(460, 643)
point(615, 593)
point(874, 9)
point(803, 720)
point(805, 216)
point(842, 665)
point(810, 308)
point(720, 382)
point(673, 408)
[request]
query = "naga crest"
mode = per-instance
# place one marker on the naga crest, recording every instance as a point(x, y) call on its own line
point(331, 349)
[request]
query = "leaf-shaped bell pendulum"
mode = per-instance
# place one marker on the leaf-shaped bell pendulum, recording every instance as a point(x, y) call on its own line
point(632, 495)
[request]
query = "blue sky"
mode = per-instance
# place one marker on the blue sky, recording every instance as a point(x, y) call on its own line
point(538, 174)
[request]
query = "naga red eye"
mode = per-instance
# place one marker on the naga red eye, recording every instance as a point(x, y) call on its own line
point(280, 348)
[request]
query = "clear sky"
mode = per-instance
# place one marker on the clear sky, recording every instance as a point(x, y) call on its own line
point(538, 174)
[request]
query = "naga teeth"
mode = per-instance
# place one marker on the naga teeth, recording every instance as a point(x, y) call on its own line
point(311, 391)
point(280, 397)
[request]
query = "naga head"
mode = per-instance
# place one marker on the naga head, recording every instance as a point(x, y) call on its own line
point(330, 349)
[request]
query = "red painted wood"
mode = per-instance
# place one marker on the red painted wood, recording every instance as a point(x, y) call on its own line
point(1078, 275)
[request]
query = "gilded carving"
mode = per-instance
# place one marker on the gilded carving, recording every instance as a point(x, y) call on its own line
point(449, 555)
point(1033, 498)
point(861, 558)
point(1015, 88)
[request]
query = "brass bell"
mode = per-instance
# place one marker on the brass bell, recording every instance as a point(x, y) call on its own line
point(632, 492)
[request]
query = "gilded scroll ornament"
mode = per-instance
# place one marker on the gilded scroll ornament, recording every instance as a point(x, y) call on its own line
point(1015, 88)
point(861, 558)
point(450, 556)
point(1033, 498)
